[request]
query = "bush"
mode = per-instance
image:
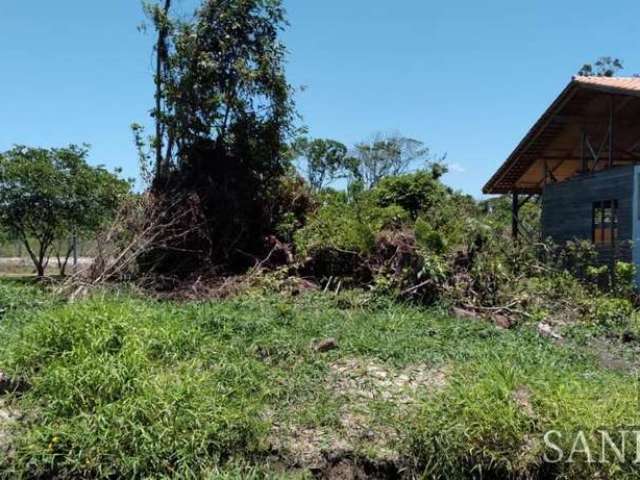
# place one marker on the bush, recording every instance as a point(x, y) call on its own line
point(625, 281)
point(293, 202)
point(414, 192)
point(418, 238)
point(579, 257)
point(431, 205)
point(612, 312)
point(347, 224)
point(428, 238)
point(404, 228)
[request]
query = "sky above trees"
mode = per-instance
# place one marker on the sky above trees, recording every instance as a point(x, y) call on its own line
point(467, 78)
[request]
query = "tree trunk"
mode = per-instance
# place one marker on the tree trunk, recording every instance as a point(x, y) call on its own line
point(38, 260)
point(62, 265)
point(161, 56)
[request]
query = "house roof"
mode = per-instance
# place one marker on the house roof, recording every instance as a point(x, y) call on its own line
point(555, 140)
point(630, 85)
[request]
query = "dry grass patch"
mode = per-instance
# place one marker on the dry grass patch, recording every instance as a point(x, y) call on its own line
point(373, 400)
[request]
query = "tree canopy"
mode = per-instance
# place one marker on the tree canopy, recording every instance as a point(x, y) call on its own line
point(221, 82)
point(388, 155)
point(602, 67)
point(325, 161)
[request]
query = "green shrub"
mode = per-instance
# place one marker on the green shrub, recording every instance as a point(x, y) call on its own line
point(612, 312)
point(292, 203)
point(578, 257)
point(560, 286)
point(598, 275)
point(429, 203)
point(414, 192)
point(625, 281)
point(347, 224)
point(428, 238)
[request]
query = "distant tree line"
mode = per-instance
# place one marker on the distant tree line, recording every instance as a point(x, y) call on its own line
point(325, 161)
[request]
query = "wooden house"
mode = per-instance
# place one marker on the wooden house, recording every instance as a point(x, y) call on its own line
point(582, 160)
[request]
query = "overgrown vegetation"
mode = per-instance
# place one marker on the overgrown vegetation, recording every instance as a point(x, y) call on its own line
point(388, 325)
point(223, 117)
point(117, 385)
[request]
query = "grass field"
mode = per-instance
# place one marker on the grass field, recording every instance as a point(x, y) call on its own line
point(120, 386)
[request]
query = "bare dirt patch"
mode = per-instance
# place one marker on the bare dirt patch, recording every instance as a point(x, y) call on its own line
point(522, 397)
point(8, 417)
point(362, 380)
point(612, 355)
point(364, 444)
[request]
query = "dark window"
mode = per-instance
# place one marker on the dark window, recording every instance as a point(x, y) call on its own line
point(605, 222)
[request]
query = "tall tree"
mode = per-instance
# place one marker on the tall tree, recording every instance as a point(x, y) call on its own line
point(219, 75)
point(46, 194)
point(161, 20)
point(224, 114)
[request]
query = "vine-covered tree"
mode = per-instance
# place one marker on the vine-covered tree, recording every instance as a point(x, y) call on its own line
point(223, 114)
point(48, 194)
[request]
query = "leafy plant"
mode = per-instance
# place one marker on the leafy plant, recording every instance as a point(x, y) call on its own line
point(428, 238)
point(612, 312)
point(347, 224)
point(625, 279)
point(415, 192)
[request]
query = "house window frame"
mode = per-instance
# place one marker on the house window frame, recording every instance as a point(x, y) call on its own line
point(604, 222)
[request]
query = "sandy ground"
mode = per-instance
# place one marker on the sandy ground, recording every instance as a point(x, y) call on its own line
point(23, 265)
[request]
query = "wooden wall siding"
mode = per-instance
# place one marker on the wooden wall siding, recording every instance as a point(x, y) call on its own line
point(567, 208)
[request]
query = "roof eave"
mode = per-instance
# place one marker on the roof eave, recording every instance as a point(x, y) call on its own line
point(576, 83)
point(543, 121)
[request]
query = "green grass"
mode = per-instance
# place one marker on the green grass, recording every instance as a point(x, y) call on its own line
point(128, 387)
point(477, 421)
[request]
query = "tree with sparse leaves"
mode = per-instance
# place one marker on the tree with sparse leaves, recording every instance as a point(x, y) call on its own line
point(388, 155)
point(46, 195)
point(325, 161)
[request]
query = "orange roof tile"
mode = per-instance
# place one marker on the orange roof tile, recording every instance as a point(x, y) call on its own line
point(619, 84)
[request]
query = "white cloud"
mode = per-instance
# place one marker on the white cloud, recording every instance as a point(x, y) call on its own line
point(456, 168)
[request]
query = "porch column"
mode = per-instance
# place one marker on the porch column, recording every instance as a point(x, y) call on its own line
point(515, 207)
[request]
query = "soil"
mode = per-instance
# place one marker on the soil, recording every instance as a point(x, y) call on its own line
point(361, 446)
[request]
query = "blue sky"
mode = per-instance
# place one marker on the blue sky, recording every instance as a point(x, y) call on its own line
point(466, 77)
